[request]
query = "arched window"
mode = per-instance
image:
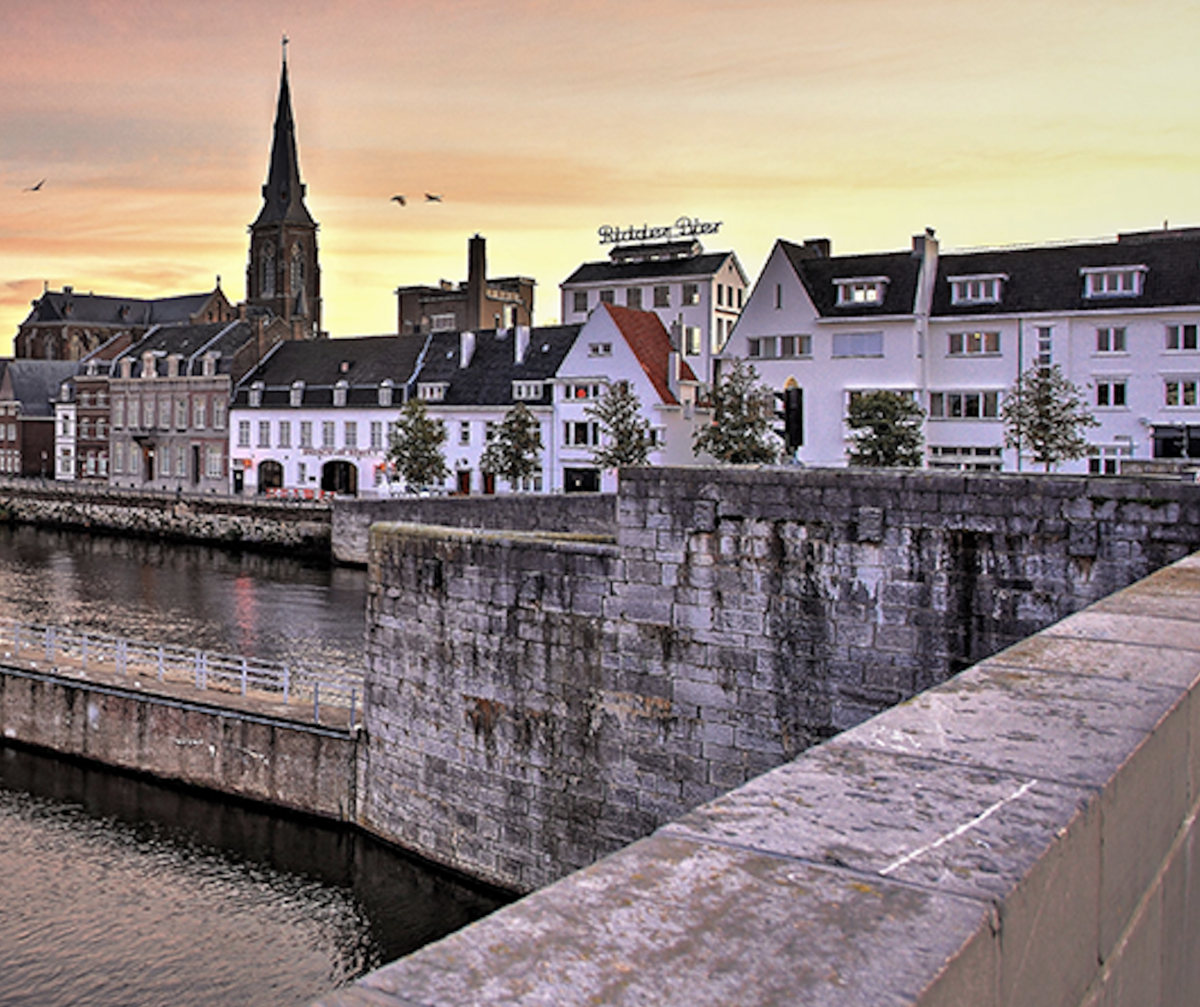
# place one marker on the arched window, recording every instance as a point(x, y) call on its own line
point(297, 268)
point(267, 265)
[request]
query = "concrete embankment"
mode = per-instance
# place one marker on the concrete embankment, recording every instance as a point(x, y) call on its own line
point(234, 747)
point(297, 527)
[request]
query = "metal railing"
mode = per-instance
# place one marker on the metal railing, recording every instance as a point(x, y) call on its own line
point(67, 651)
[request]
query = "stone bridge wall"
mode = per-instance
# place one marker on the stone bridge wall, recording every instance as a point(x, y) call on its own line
point(534, 704)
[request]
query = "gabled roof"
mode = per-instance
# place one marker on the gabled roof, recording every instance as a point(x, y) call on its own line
point(363, 362)
point(98, 309)
point(191, 342)
point(35, 383)
point(651, 344)
point(705, 264)
point(488, 378)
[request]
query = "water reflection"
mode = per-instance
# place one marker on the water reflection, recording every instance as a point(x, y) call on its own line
point(272, 607)
point(119, 891)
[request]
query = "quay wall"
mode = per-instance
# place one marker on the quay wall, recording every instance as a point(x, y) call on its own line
point(1022, 835)
point(577, 513)
point(294, 526)
point(285, 763)
point(533, 704)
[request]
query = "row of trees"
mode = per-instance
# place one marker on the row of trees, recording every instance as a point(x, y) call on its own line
point(1044, 415)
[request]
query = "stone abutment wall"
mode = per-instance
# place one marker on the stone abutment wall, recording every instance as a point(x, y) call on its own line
point(533, 704)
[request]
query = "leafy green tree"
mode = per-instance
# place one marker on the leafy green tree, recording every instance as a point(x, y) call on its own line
point(885, 428)
point(1045, 415)
point(626, 437)
point(514, 446)
point(416, 447)
point(742, 412)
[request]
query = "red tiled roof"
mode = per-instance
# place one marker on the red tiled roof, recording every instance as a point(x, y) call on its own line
point(651, 344)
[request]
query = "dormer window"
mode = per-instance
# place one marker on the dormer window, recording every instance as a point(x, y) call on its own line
point(432, 391)
point(983, 289)
point(296, 394)
point(256, 393)
point(1109, 281)
point(527, 391)
point(386, 391)
point(861, 291)
point(340, 390)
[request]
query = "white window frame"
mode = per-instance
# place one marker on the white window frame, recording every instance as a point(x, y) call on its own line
point(861, 291)
point(1112, 281)
point(983, 288)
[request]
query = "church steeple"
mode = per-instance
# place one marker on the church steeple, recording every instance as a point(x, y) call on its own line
point(283, 274)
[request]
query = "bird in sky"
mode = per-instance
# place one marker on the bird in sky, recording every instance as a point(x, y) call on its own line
point(35, 188)
point(399, 199)
point(432, 198)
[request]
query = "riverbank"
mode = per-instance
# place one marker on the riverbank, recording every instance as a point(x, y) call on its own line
point(297, 527)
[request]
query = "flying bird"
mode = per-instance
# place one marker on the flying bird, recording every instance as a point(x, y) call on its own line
point(35, 188)
point(432, 198)
point(399, 199)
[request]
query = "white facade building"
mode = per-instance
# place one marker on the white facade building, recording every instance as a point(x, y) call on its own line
point(955, 330)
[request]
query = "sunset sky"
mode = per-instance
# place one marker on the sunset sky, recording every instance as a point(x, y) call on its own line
point(539, 121)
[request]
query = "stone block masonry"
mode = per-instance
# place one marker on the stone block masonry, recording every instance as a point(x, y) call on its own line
point(535, 703)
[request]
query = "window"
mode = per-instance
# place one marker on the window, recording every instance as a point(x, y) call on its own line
point(376, 435)
point(582, 391)
point(608, 297)
point(692, 340)
point(147, 413)
point(285, 433)
point(1045, 345)
point(691, 293)
point(662, 297)
point(255, 396)
point(974, 343)
point(580, 299)
point(783, 347)
point(1110, 393)
point(464, 432)
point(386, 390)
point(866, 290)
point(442, 323)
point(1105, 460)
point(1111, 340)
point(1181, 337)
point(1181, 392)
point(599, 349)
point(858, 344)
point(527, 391)
point(1123, 281)
point(181, 413)
point(119, 457)
point(432, 391)
point(199, 413)
point(213, 465)
point(581, 434)
point(328, 434)
point(164, 413)
point(340, 390)
point(296, 393)
point(633, 298)
point(264, 433)
point(778, 296)
point(219, 407)
point(243, 433)
point(165, 455)
point(350, 434)
point(983, 405)
point(180, 461)
point(306, 440)
point(118, 411)
point(966, 458)
point(983, 289)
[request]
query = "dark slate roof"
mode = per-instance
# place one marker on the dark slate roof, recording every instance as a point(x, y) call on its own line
point(364, 362)
point(35, 383)
point(191, 342)
point(705, 264)
point(99, 309)
point(818, 274)
point(488, 378)
point(283, 193)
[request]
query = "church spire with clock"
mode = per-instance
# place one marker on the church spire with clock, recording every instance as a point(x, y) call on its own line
point(284, 274)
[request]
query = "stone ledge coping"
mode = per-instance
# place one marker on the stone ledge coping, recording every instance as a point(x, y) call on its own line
point(603, 545)
point(1021, 835)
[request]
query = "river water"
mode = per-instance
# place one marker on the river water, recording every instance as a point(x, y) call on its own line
point(120, 892)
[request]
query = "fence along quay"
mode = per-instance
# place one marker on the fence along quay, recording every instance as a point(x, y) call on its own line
point(281, 733)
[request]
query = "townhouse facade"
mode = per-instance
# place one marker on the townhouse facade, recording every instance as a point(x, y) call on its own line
point(698, 295)
point(28, 391)
point(955, 330)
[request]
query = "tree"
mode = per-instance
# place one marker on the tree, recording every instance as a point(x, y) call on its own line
point(514, 446)
point(885, 428)
point(740, 431)
point(625, 433)
point(416, 447)
point(1044, 414)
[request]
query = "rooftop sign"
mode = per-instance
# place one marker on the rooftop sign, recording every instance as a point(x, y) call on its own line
point(684, 227)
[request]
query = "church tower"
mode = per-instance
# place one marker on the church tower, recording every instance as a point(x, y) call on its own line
point(283, 274)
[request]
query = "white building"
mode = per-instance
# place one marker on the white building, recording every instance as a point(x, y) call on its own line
point(697, 294)
point(955, 330)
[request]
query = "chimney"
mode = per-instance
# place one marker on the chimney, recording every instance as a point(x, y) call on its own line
point(521, 343)
point(673, 359)
point(818, 248)
point(466, 348)
point(476, 281)
point(925, 248)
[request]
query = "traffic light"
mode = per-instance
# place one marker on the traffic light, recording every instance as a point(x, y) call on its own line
point(792, 414)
